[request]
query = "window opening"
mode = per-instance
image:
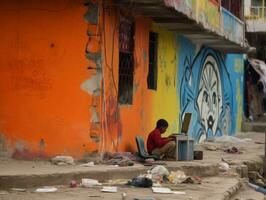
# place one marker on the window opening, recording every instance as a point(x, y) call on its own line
point(126, 61)
point(153, 49)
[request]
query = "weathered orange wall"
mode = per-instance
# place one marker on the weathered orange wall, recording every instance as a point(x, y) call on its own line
point(45, 104)
point(42, 64)
point(124, 122)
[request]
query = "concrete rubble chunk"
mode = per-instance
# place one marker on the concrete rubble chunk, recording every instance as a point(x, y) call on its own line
point(63, 160)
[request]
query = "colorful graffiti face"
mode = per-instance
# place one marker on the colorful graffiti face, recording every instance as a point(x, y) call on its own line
point(206, 92)
point(209, 99)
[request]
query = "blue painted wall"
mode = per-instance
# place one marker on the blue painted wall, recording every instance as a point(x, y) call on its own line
point(210, 87)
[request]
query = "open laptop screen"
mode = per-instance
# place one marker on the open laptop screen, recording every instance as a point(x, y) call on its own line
point(185, 123)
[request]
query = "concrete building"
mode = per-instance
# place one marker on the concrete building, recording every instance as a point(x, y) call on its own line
point(255, 14)
point(79, 78)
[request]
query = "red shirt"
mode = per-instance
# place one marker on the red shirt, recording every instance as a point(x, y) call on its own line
point(155, 140)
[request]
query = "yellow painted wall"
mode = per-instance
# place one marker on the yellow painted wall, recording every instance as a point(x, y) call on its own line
point(165, 103)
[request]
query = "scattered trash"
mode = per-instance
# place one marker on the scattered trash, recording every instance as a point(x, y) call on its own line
point(46, 189)
point(110, 189)
point(120, 161)
point(73, 184)
point(124, 195)
point(89, 164)
point(233, 150)
point(118, 181)
point(19, 189)
point(162, 190)
point(141, 181)
point(63, 160)
point(159, 172)
point(149, 162)
point(177, 177)
point(85, 182)
point(223, 167)
point(179, 192)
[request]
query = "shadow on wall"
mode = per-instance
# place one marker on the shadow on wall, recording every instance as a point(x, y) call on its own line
point(206, 91)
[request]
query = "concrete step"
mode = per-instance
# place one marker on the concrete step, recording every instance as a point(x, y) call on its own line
point(32, 174)
point(212, 188)
point(254, 126)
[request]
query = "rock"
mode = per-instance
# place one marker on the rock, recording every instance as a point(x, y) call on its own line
point(63, 160)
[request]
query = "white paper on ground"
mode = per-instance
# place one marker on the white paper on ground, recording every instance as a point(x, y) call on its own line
point(162, 190)
point(89, 164)
point(46, 189)
point(109, 189)
point(178, 192)
point(86, 182)
point(19, 189)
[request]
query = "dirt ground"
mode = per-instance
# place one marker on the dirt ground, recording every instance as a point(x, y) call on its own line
point(213, 188)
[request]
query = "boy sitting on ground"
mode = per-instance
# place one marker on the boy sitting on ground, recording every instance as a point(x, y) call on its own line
point(161, 147)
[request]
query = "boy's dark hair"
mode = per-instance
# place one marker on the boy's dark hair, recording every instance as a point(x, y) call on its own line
point(161, 123)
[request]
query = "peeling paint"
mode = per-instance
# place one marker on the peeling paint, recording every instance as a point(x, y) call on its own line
point(94, 115)
point(92, 85)
point(92, 14)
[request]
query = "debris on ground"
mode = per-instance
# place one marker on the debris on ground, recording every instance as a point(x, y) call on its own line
point(120, 161)
point(149, 162)
point(233, 150)
point(165, 190)
point(86, 182)
point(224, 167)
point(179, 177)
point(19, 189)
point(162, 190)
point(111, 189)
point(89, 164)
point(124, 196)
point(141, 181)
point(73, 184)
point(63, 160)
point(158, 173)
point(117, 182)
point(46, 189)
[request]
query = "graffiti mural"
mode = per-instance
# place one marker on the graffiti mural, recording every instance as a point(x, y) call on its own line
point(206, 91)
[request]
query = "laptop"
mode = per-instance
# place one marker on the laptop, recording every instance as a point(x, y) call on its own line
point(185, 125)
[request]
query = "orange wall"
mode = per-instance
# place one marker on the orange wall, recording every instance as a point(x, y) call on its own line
point(45, 103)
point(124, 122)
point(42, 64)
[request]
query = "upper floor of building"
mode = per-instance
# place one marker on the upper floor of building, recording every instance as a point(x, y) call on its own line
point(255, 14)
point(216, 23)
